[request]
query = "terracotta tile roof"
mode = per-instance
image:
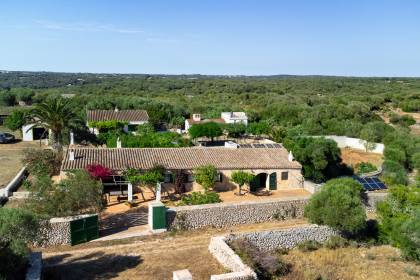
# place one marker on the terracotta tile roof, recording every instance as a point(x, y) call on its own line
point(122, 115)
point(180, 158)
point(219, 120)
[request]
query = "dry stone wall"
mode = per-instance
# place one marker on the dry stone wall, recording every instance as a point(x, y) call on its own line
point(287, 238)
point(230, 260)
point(227, 214)
point(56, 231)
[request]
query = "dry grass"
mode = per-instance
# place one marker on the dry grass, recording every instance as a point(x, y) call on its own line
point(150, 257)
point(375, 263)
point(351, 157)
point(10, 159)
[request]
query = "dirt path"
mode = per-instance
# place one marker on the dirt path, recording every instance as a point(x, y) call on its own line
point(150, 257)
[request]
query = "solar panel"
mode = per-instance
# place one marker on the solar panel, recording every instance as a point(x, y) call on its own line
point(370, 183)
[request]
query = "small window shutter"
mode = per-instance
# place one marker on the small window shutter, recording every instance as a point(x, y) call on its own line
point(285, 176)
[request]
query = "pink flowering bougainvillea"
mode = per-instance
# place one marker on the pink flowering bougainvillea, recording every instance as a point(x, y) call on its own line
point(98, 171)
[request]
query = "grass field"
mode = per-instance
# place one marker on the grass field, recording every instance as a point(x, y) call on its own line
point(10, 158)
point(374, 263)
point(146, 258)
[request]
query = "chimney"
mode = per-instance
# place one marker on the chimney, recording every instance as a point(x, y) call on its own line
point(119, 144)
point(291, 158)
point(71, 155)
point(196, 117)
point(116, 109)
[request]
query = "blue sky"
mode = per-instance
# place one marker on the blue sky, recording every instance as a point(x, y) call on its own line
point(352, 38)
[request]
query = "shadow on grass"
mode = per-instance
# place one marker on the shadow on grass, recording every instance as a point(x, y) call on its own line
point(93, 266)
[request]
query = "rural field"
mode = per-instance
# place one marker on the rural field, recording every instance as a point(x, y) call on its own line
point(155, 257)
point(10, 159)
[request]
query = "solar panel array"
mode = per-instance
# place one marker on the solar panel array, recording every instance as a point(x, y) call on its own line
point(260, 145)
point(370, 183)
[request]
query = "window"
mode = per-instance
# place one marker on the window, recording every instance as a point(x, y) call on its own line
point(190, 178)
point(169, 178)
point(285, 176)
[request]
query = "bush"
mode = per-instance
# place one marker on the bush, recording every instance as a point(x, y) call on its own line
point(393, 173)
point(41, 162)
point(365, 167)
point(399, 217)
point(17, 228)
point(338, 204)
point(77, 194)
point(196, 198)
point(16, 120)
point(206, 176)
point(309, 245)
point(404, 120)
point(98, 172)
point(266, 265)
point(335, 242)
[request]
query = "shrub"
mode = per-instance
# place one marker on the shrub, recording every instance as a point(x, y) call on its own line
point(210, 130)
point(404, 120)
point(266, 265)
point(77, 194)
point(364, 167)
point(309, 245)
point(338, 204)
point(98, 171)
point(399, 217)
point(16, 120)
point(335, 242)
point(196, 198)
point(393, 173)
point(41, 162)
point(206, 176)
point(17, 228)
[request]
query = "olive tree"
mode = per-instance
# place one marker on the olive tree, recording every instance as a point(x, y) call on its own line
point(338, 204)
point(241, 178)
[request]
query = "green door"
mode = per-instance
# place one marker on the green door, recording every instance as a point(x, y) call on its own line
point(273, 181)
point(84, 230)
point(159, 217)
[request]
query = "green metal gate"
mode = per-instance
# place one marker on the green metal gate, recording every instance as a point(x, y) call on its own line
point(84, 230)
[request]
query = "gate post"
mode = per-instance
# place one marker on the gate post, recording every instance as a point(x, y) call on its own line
point(157, 217)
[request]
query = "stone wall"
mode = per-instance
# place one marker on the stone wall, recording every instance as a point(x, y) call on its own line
point(56, 231)
point(286, 238)
point(227, 214)
point(355, 143)
point(230, 260)
point(373, 198)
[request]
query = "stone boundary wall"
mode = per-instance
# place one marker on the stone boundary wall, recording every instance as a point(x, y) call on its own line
point(230, 260)
point(56, 231)
point(285, 238)
point(355, 143)
point(227, 214)
point(373, 198)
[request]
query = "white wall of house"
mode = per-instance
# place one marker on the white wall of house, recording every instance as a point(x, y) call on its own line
point(235, 117)
point(27, 133)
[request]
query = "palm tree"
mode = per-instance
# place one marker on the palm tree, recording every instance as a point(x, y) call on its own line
point(54, 114)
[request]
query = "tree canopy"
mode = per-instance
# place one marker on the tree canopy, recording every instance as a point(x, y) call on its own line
point(338, 204)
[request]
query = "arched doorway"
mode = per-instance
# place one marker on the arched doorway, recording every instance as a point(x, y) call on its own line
point(258, 182)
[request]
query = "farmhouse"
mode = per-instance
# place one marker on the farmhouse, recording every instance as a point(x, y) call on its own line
point(272, 165)
point(225, 117)
point(130, 118)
